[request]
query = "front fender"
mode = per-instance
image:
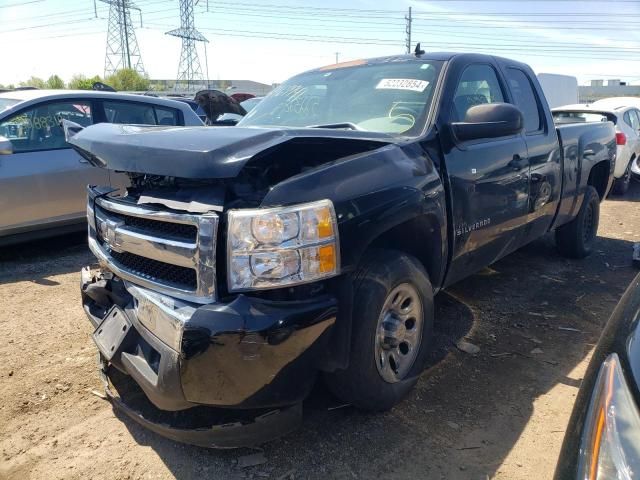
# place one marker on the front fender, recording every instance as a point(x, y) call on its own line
point(372, 193)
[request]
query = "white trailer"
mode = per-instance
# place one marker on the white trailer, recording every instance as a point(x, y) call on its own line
point(559, 89)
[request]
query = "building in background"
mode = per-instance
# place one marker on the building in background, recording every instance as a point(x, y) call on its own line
point(599, 89)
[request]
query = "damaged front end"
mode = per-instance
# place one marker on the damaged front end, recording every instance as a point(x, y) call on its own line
point(190, 347)
point(160, 320)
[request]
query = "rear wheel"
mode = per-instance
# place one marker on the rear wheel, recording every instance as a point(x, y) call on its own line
point(576, 238)
point(621, 185)
point(392, 329)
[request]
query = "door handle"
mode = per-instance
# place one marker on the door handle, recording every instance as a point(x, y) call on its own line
point(588, 153)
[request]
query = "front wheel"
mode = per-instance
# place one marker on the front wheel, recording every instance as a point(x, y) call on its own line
point(392, 329)
point(575, 239)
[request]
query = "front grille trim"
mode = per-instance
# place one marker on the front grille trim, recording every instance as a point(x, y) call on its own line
point(187, 232)
point(154, 260)
point(171, 275)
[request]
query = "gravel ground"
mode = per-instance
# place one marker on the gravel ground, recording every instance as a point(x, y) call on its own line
point(498, 414)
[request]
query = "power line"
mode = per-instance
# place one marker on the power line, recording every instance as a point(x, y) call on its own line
point(20, 4)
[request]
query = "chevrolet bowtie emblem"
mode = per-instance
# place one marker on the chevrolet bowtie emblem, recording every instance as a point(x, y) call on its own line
point(108, 233)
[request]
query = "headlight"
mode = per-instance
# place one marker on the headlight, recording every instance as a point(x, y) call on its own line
point(274, 247)
point(610, 447)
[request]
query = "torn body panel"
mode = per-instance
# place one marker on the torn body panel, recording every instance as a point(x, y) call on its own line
point(246, 353)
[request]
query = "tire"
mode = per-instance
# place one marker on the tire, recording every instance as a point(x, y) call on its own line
point(387, 356)
point(576, 238)
point(621, 185)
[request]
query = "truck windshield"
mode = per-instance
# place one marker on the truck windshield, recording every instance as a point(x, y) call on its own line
point(390, 97)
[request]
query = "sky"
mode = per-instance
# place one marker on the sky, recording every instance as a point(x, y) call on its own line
point(270, 40)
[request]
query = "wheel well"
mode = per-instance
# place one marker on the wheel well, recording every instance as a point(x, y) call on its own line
point(419, 237)
point(599, 178)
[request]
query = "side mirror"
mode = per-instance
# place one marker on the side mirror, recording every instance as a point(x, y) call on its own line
point(6, 147)
point(489, 120)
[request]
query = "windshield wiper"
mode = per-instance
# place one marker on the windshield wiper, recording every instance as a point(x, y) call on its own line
point(347, 125)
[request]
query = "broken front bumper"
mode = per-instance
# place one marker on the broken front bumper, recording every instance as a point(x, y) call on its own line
point(248, 354)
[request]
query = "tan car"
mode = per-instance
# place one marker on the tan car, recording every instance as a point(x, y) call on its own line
point(42, 180)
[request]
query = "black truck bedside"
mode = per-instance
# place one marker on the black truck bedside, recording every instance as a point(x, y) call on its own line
point(310, 239)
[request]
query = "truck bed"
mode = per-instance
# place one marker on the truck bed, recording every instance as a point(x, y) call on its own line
point(582, 145)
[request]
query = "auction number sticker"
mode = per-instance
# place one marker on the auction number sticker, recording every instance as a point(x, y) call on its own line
point(412, 84)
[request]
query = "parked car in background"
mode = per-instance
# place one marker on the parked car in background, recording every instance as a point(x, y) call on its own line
point(602, 440)
point(241, 97)
point(631, 102)
point(233, 118)
point(627, 122)
point(42, 180)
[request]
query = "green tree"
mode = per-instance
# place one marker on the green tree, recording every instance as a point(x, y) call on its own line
point(129, 80)
point(34, 82)
point(55, 82)
point(80, 82)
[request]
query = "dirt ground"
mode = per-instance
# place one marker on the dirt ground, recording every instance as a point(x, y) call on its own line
point(499, 414)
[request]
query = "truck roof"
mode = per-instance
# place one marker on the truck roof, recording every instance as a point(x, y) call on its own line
point(438, 56)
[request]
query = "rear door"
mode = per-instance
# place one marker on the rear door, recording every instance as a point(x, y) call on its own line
point(545, 177)
point(43, 183)
point(489, 178)
point(635, 127)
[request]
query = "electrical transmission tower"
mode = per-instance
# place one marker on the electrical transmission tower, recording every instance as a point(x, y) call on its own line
point(189, 70)
point(122, 46)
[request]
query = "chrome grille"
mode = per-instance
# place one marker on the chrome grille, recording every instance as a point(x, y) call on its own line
point(181, 231)
point(147, 268)
point(166, 251)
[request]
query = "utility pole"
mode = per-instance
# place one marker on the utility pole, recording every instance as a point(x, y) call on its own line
point(408, 30)
point(189, 70)
point(337, 56)
point(122, 45)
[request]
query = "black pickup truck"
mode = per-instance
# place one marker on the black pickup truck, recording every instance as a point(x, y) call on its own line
point(243, 261)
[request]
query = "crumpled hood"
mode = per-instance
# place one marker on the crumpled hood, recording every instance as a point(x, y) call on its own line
point(192, 152)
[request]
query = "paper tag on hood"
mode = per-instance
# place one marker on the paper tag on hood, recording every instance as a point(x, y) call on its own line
point(412, 84)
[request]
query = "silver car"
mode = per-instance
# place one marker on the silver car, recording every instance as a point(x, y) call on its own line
point(42, 180)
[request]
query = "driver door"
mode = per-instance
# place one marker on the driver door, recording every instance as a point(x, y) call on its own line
point(489, 180)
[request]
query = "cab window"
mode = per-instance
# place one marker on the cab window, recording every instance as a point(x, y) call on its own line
point(38, 128)
point(525, 99)
point(478, 85)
